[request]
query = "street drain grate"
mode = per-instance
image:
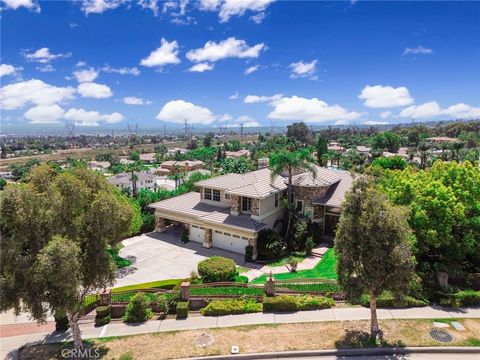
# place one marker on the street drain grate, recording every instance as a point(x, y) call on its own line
point(204, 340)
point(440, 335)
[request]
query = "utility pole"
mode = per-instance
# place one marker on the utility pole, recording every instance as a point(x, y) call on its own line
point(241, 133)
point(164, 130)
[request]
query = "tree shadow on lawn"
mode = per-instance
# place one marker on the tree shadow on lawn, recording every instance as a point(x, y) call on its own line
point(356, 339)
point(121, 273)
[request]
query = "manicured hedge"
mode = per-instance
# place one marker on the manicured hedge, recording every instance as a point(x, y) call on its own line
point(217, 269)
point(296, 303)
point(182, 309)
point(103, 316)
point(230, 307)
point(138, 309)
point(227, 290)
point(461, 298)
point(388, 300)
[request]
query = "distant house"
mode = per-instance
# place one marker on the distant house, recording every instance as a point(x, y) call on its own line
point(174, 151)
point(124, 180)
point(364, 149)
point(181, 166)
point(237, 154)
point(148, 158)
point(99, 165)
point(441, 139)
point(230, 210)
point(334, 146)
point(125, 161)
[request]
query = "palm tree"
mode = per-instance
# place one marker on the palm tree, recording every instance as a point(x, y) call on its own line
point(287, 161)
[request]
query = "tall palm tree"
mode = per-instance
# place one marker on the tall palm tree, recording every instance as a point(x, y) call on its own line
point(287, 161)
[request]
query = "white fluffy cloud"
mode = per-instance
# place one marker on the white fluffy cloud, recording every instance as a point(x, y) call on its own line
point(15, 96)
point(44, 114)
point(85, 75)
point(373, 122)
point(6, 69)
point(29, 4)
point(303, 69)
point(432, 109)
point(380, 96)
point(44, 56)
point(229, 48)
point(419, 50)
point(45, 68)
point(246, 120)
point(121, 70)
point(133, 100)
point(258, 18)
point(83, 117)
point(385, 114)
point(94, 90)
point(99, 6)
point(251, 69)
point(177, 111)
point(201, 67)
point(228, 8)
point(234, 96)
point(166, 54)
point(251, 99)
point(309, 110)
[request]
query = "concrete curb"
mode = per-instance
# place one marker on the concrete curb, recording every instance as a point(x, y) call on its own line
point(345, 352)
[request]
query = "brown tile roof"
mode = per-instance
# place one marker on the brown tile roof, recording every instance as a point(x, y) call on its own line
point(323, 177)
point(335, 194)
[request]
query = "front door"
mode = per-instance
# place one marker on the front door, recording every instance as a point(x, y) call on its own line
point(331, 224)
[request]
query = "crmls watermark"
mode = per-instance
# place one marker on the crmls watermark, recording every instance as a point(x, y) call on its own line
point(81, 354)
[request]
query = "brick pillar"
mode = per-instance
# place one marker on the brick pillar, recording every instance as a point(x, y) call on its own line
point(235, 209)
point(255, 210)
point(253, 242)
point(185, 288)
point(160, 224)
point(207, 241)
point(270, 286)
point(105, 297)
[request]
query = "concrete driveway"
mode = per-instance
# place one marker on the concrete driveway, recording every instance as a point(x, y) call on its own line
point(161, 256)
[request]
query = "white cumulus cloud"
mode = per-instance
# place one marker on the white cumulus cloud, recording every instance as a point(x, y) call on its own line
point(309, 110)
point(6, 69)
point(303, 69)
point(228, 8)
point(85, 75)
point(44, 56)
point(229, 48)
point(166, 54)
point(251, 99)
point(234, 96)
point(44, 114)
point(121, 70)
point(29, 4)
point(251, 69)
point(15, 96)
point(432, 108)
point(380, 96)
point(84, 117)
point(94, 90)
point(133, 100)
point(99, 6)
point(201, 67)
point(177, 111)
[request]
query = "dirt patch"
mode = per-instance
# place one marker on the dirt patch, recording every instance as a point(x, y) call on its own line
point(264, 338)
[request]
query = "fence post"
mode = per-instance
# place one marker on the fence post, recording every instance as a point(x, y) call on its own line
point(270, 286)
point(185, 287)
point(106, 297)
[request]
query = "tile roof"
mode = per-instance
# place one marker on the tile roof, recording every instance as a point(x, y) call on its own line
point(126, 178)
point(324, 177)
point(335, 194)
point(243, 221)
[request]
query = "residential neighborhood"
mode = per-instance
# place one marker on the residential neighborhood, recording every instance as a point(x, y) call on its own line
point(239, 179)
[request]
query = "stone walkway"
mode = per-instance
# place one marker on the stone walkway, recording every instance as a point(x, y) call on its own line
point(307, 264)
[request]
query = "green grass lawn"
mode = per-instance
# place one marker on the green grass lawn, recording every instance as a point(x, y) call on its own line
point(227, 290)
point(284, 260)
point(325, 269)
point(161, 284)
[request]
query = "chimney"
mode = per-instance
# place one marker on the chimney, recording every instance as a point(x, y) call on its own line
point(263, 163)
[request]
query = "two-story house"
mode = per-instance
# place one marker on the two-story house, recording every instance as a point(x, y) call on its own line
point(228, 211)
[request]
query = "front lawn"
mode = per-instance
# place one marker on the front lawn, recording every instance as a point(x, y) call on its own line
point(325, 269)
point(161, 284)
point(284, 260)
point(226, 290)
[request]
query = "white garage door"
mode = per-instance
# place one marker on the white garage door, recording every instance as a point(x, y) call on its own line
point(229, 242)
point(197, 233)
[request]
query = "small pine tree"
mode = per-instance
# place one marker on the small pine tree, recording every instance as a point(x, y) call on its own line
point(138, 309)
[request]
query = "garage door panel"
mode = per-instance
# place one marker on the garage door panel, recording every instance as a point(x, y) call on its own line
point(197, 233)
point(228, 242)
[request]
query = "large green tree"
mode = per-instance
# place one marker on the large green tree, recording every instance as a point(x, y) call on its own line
point(56, 230)
point(373, 246)
point(321, 149)
point(287, 161)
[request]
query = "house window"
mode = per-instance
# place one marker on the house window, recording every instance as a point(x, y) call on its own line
point(207, 194)
point(277, 197)
point(216, 195)
point(246, 204)
point(227, 196)
point(299, 206)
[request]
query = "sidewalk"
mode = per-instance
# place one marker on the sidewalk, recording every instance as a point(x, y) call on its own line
point(341, 314)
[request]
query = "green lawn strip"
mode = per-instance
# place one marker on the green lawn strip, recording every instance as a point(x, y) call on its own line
point(161, 284)
point(119, 261)
point(125, 297)
point(325, 269)
point(284, 260)
point(226, 290)
point(242, 269)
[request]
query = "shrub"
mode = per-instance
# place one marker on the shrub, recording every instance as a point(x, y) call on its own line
point(172, 299)
point(231, 306)
point(185, 236)
point(61, 322)
point(269, 244)
point(299, 233)
point(138, 309)
point(102, 321)
point(240, 279)
point(103, 316)
point(468, 297)
point(217, 269)
point(387, 299)
point(292, 263)
point(161, 302)
point(248, 253)
point(309, 244)
point(297, 303)
point(182, 309)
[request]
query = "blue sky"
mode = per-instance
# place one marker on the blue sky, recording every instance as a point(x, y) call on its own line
point(227, 62)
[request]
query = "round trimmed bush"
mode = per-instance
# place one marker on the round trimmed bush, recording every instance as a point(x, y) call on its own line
point(217, 269)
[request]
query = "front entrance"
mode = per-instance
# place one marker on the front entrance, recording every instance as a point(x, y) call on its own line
point(331, 222)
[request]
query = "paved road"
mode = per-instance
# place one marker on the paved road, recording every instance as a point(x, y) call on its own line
point(392, 357)
point(161, 256)
point(199, 322)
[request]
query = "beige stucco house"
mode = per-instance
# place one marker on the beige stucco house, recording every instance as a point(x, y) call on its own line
point(229, 210)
